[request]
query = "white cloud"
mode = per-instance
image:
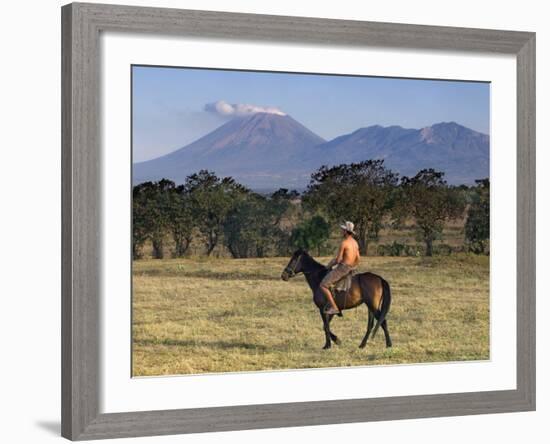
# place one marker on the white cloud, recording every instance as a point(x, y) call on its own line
point(223, 108)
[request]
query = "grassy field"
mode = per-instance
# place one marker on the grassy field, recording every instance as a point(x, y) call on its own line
point(224, 315)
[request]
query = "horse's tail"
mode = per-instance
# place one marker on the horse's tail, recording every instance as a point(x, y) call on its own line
point(385, 306)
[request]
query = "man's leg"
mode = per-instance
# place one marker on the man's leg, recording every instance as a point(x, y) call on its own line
point(333, 276)
point(330, 299)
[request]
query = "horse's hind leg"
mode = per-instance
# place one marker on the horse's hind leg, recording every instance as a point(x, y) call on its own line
point(369, 328)
point(384, 326)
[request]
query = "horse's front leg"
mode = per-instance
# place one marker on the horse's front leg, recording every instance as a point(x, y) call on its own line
point(326, 327)
point(332, 335)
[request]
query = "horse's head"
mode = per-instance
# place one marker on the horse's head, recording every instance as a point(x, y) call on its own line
point(294, 265)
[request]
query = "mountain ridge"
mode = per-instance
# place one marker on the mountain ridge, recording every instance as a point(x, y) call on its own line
point(268, 151)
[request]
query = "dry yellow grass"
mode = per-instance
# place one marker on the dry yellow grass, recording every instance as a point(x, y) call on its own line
point(224, 315)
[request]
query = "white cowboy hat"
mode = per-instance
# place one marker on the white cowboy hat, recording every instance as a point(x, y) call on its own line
point(348, 226)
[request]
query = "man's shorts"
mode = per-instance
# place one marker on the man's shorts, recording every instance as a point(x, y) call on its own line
point(337, 273)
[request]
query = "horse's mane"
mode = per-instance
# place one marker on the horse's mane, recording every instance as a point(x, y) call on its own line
point(309, 261)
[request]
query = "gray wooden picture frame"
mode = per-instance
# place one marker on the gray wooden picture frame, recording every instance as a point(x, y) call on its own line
point(81, 172)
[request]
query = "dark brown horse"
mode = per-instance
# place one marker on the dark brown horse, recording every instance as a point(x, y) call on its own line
point(366, 288)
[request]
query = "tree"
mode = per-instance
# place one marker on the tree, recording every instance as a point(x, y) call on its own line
point(160, 211)
point(140, 229)
point(431, 202)
point(284, 207)
point(281, 202)
point(180, 219)
point(212, 198)
point(247, 228)
point(151, 202)
point(359, 192)
point(253, 227)
point(477, 228)
point(311, 234)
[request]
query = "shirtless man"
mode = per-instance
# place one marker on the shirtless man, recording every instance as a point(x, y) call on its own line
point(346, 261)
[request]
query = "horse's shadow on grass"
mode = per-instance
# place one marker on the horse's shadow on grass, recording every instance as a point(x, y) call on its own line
point(215, 345)
point(207, 274)
point(232, 276)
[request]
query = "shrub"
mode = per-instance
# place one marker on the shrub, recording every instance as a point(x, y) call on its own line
point(443, 250)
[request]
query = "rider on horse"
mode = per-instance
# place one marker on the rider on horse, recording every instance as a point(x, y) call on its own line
point(346, 262)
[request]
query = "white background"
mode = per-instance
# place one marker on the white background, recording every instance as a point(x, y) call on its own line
point(30, 223)
point(120, 393)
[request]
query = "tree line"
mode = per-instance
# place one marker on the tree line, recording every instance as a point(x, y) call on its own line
point(212, 211)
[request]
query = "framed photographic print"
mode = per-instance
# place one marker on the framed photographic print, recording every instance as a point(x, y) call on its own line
point(278, 221)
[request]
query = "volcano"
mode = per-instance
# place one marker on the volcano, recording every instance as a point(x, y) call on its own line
point(256, 150)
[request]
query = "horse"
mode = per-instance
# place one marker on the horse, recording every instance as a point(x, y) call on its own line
point(366, 288)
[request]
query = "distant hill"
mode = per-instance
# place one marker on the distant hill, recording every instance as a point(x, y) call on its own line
point(463, 154)
point(268, 151)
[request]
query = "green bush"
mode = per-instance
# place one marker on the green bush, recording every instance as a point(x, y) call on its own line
point(413, 250)
point(395, 249)
point(443, 250)
point(398, 249)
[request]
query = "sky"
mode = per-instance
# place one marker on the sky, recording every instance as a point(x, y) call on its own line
point(173, 107)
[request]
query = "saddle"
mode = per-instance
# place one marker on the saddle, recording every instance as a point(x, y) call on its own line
point(344, 284)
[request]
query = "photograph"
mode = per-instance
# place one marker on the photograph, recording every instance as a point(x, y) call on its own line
point(289, 220)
